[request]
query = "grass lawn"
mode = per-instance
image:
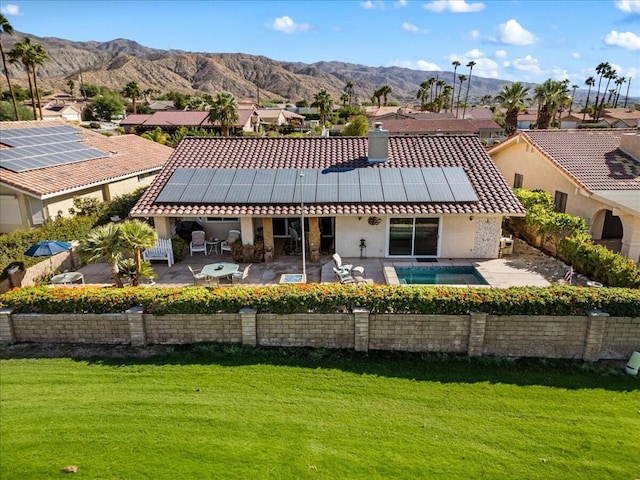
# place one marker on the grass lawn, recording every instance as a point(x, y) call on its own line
point(228, 412)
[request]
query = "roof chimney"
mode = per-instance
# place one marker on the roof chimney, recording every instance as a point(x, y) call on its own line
point(378, 144)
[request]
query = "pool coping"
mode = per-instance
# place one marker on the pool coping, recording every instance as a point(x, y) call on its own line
point(391, 277)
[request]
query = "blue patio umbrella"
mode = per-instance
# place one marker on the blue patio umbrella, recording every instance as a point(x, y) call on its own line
point(47, 248)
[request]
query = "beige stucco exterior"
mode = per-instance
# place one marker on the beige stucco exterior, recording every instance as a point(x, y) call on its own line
point(539, 172)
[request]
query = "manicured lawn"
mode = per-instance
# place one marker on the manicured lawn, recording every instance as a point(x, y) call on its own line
point(226, 412)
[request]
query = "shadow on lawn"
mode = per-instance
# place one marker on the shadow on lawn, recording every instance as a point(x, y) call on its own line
point(432, 367)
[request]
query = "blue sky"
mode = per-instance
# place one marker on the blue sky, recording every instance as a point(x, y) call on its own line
point(527, 40)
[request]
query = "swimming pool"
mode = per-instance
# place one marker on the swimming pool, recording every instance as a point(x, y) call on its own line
point(439, 276)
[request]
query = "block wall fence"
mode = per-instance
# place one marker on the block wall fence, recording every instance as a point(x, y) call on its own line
point(591, 337)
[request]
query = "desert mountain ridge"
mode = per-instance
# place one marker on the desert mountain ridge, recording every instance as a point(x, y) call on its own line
point(116, 62)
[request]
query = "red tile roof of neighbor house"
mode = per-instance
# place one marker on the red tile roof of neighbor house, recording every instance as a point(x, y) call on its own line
point(415, 126)
point(494, 195)
point(126, 155)
point(590, 156)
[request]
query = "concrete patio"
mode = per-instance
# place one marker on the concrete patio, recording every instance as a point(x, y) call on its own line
point(499, 273)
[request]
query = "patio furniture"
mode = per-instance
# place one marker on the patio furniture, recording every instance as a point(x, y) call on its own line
point(294, 240)
point(200, 276)
point(162, 250)
point(343, 276)
point(212, 246)
point(220, 270)
point(225, 245)
point(198, 243)
point(241, 277)
point(346, 267)
point(67, 278)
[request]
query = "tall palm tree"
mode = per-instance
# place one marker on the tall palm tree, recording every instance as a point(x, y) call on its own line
point(344, 98)
point(375, 98)
point(462, 78)
point(132, 90)
point(627, 94)
point(71, 84)
point(619, 82)
point(137, 236)
point(590, 82)
point(471, 64)
point(551, 96)
point(423, 94)
point(104, 243)
point(455, 64)
point(22, 52)
point(573, 94)
point(601, 69)
point(385, 91)
point(224, 110)
point(38, 58)
point(514, 98)
point(349, 89)
point(324, 103)
point(611, 74)
point(5, 27)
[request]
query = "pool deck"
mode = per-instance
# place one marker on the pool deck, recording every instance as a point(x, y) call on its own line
point(499, 273)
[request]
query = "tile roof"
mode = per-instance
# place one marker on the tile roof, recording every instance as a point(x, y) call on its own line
point(127, 155)
point(466, 151)
point(176, 119)
point(137, 119)
point(590, 156)
point(416, 126)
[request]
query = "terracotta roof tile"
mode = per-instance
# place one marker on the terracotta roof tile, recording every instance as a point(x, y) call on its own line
point(590, 156)
point(127, 155)
point(494, 195)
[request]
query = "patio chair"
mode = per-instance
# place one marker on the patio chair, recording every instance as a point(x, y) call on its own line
point(343, 276)
point(225, 245)
point(198, 243)
point(346, 267)
point(241, 277)
point(294, 240)
point(198, 276)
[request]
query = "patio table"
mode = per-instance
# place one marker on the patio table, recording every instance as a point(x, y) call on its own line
point(67, 278)
point(219, 270)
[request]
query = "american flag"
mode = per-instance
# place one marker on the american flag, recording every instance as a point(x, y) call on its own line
point(569, 275)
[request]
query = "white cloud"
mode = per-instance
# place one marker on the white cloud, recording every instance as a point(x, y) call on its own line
point(512, 33)
point(628, 6)
point(527, 64)
point(422, 65)
point(626, 40)
point(410, 27)
point(501, 54)
point(453, 6)
point(368, 5)
point(10, 9)
point(401, 3)
point(287, 25)
point(575, 55)
point(475, 34)
point(484, 67)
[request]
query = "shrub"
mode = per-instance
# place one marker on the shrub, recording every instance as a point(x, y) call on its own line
point(178, 244)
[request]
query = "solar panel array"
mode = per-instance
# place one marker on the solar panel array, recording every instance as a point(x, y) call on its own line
point(33, 148)
point(284, 186)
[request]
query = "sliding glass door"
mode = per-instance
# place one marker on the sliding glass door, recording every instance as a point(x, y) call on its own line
point(413, 237)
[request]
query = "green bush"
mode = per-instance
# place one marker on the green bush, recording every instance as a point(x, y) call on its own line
point(178, 244)
point(329, 298)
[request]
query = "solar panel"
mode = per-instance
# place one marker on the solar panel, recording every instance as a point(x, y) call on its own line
point(33, 148)
point(284, 186)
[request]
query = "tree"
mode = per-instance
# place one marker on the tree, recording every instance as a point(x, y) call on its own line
point(471, 64)
point(344, 98)
point(590, 82)
point(324, 103)
point(105, 107)
point(71, 84)
point(455, 64)
point(5, 27)
point(132, 90)
point(423, 94)
point(197, 104)
point(512, 97)
point(358, 127)
point(619, 82)
point(22, 53)
point(149, 92)
point(573, 94)
point(375, 98)
point(225, 111)
point(7, 113)
point(462, 78)
point(38, 57)
point(137, 236)
point(104, 243)
point(385, 91)
point(349, 91)
point(601, 69)
point(550, 95)
point(610, 74)
point(156, 135)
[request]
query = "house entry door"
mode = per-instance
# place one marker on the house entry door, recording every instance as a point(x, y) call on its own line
point(414, 237)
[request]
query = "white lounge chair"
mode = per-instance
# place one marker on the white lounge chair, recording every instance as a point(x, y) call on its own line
point(198, 243)
point(346, 267)
point(225, 245)
point(241, 277)
point(198, 276)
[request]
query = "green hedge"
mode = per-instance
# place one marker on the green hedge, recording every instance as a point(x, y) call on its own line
point(320, 298)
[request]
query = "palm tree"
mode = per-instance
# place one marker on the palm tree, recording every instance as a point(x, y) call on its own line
point(375, 98)
point(137, 236)
point(385, 90)
point(349, 89)
point(619, 82)
point(38, 57)
point(471, 64)
point(197, 104)
point(132, 90)
point(573, 94)
point(71, 84)
point(626, 98)
point(512, 97)
point(224, 110)
point(462, 78)
point(156, 135)
point(344, 98)
point(590, 82)
point(423, 94)
point(5, 27)
point(104, 243)
point(601, 69)
point(551, 96)
point(609, 75)
point(455, 64)
point(22, 52)
point(324, 103)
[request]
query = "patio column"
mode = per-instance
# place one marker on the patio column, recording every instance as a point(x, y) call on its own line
point(314, 239)
point(267, 235)
point(246, 227)
point(163, 226)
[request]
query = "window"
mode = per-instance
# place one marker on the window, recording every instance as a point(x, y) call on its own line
point(413, 236)
point(560, 202)
point(221, 219)
point(518, 180)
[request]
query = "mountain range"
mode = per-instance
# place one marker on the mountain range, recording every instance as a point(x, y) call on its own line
point(116, 62)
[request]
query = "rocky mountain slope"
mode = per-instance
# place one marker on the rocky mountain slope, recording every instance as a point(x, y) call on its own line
point(119, 61)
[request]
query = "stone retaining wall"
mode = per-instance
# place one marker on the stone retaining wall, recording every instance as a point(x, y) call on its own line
point(591, 337)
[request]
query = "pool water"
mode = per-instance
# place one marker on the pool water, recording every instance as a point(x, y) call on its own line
point(439, 276)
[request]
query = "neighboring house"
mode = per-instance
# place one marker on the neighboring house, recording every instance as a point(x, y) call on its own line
point(488, 128)
point(448, 126)
point(131, 123)
point(405, 197)
point(68, 113)
point(44, 165)
point(162, 105)
point(621, 117)
point(170, 121)
point(591, 173)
